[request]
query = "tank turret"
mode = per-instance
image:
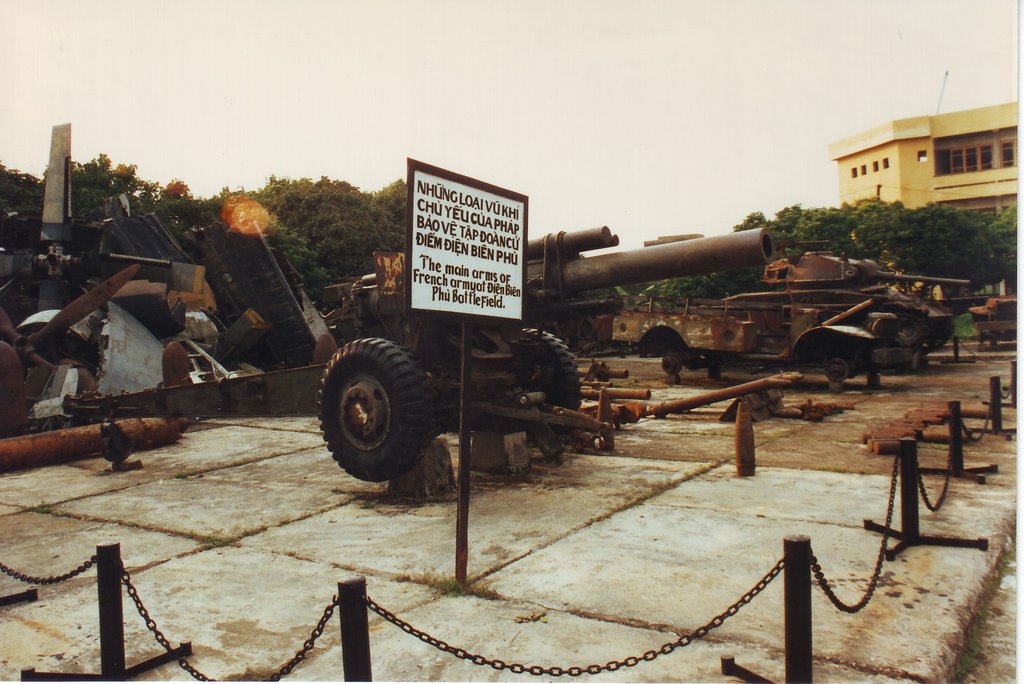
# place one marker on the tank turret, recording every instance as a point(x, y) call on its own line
point(825, 270)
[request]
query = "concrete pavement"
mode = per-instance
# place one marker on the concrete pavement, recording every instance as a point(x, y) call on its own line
point(236, 536)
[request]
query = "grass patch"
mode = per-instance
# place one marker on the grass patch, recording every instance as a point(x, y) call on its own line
point(447, 586)
point(42, 508)
point(974, 645)
point(212, 542)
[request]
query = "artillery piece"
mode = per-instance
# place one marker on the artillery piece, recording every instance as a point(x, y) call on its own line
point(835, 312)
point(394, 385)
point(923, 325)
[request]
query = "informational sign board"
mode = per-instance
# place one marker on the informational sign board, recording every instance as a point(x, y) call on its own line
point(465, 246)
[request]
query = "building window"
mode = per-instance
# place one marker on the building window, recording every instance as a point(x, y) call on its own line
point(874, 166)
point(885, 162)
point(863, 169)
point(1007, 150)
point(853, 172)
point(922, 155)
point(963, 159)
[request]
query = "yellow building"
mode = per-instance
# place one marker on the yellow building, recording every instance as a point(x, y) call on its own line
point(967, 159)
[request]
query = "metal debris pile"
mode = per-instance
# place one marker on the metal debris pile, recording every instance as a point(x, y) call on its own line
point(104, 318)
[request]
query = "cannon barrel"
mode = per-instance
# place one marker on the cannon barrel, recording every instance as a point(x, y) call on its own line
point(574, 242)
point(700, 256)
point(930, 280)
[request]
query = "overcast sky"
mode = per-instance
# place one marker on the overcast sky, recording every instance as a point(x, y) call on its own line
point(653, 118)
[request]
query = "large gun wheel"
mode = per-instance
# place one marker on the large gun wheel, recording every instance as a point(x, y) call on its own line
point(563, 389)
point(375, 409)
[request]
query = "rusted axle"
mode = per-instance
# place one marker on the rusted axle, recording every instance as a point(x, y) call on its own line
point(662, 409)
point(28, 451)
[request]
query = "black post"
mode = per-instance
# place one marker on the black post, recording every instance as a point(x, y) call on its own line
point(797, 558)
point(956, 349)
point(108, 584)
point(995, 404)
point(465, 456)
point(1013, 384)
point(956, 437)
point(910, 535)
point(355, 630)
point(909, 514)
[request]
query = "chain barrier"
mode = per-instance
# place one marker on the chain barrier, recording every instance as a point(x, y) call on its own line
point(56, 579)
point(823, 582)
point(309, 643)
point(970, 433)
point(576, 671)
point(133, 593)
point(945, 486)
point(183, 663)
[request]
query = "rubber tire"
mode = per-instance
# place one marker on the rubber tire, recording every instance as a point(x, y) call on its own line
point(564, 387)
point(838, 369)
point(408, 423)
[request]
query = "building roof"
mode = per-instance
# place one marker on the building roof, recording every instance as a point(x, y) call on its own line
point(964, 121)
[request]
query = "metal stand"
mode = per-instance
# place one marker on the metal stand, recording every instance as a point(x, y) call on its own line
point(956, 452)
point(20, 597)
point(355, 630)
point(797, 600)
point(956, 353)
point(465, 456)
point(911, 535)
point(112, 660)
point(995, 404)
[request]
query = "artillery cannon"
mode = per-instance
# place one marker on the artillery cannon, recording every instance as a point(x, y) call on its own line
point(825, 270)
point(835, 312)
point(393, 386)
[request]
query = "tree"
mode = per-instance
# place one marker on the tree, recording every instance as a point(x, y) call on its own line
point(20, 192)
point(344, 224)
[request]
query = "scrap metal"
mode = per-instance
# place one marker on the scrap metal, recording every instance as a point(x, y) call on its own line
point(28, 451)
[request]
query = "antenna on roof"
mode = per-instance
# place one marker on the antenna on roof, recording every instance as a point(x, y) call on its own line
point(942, 92)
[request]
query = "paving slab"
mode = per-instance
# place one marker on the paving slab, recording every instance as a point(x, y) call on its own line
point(532, 635)
point(695, 562)
point(43, 545)
point(194, 452)
point(237, 535)
point(508, 516)
point(246, 613)
point(226, 503)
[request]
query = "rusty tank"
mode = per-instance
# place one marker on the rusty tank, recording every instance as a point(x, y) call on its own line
point(393, 384)
point(835, 313)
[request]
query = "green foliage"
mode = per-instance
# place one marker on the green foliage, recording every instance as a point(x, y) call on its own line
point(934, 240)
point(20, 193)
point(302, 258)
point(96, 180)
point(344, 224)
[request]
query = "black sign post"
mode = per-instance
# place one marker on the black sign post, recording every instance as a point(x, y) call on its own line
point(465, 261)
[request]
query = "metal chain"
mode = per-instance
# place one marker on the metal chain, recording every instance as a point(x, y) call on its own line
point(299, 656)
point(126, 579)
point(576, 671)
point(56, 579)
point(945, 486)
point(309, 643)
point(970, 433)
point(286, 669)
point(819, 575)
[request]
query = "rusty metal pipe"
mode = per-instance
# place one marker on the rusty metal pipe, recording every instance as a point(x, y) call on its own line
point(616, 393)
point(673, 260)
point(662, 409)
point(28, 451)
